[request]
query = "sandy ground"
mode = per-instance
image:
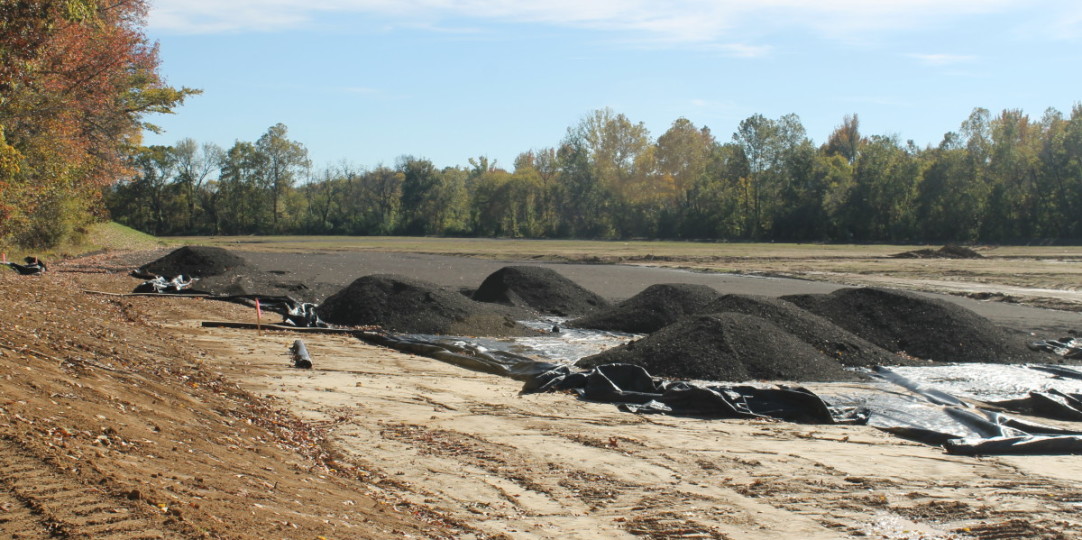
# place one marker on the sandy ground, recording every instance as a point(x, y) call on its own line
point(549, 466)
point(432, 450)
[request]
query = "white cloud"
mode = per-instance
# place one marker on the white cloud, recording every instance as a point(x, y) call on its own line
point(943, 60)
point(1063, 24)
point(743, 50)
point(360, 90)
point(676, 21)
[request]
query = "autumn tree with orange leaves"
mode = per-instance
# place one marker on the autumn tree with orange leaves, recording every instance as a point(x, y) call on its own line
point(77, 78)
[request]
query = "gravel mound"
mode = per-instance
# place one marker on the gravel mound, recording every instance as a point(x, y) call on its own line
point(195, 261)
point(221, 272)
point(828, 338)
point(923, 327)
point(949, 251)
point(730, 347)
point(537, 288)
point(655, 307)
point(400, 304)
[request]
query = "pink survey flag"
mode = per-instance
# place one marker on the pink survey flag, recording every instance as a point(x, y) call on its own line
point(258, 317)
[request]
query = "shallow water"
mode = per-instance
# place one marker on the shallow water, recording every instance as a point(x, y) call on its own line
point(983, 382)
point(569, 344)
point(989, 382)
point(566, 346)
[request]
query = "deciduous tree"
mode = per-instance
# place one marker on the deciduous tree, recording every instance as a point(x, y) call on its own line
point(284, 161)
point(195, 165)
point(77, 78)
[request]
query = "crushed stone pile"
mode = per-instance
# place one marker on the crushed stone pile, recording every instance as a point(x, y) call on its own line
point(725, 347)
point(825, 336)
point(949, 251)
point(540, 289)
point(400, 304)
point(195, 261)
point(221, 272)
point(917, 325)
point(652, 309)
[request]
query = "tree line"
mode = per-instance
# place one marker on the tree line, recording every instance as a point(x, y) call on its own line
point(76, 79)
point(998, 178)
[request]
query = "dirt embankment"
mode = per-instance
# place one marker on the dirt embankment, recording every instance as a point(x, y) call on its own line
point(114, 426)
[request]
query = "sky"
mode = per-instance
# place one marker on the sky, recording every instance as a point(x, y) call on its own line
point(364, 82)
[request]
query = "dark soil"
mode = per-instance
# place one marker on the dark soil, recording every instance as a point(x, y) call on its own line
point(195, 261)
point(949, 251)
point(725, 347)
point(252, 282)
point(919, 326)
point(652, 309)
point(400, 304)
point(826, 337)
point(223, 273)
point(540, 289)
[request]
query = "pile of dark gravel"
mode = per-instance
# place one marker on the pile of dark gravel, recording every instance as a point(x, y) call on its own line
point(917, 325)
point(949, 251)
point(725, 347)
point(221, 272)
point(195, 261)
point(538, 288)
point(400, 304)
point(828, 338)
point(654, 308)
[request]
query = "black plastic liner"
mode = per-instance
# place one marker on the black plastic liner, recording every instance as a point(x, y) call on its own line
point(635, 390)
point(973, 428)
point(924, 415)
point(1049, 404)
point(1069, 348)
point(1022, 445)
point(168, 285)
point(33, 267)
point(486, 361)
point(293, 312)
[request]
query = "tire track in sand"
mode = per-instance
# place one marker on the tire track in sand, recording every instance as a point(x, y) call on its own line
point(39, 501)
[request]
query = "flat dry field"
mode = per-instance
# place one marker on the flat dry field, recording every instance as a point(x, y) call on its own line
point(1046, 276)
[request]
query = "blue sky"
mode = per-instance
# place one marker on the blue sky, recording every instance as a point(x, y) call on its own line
point(367, 81)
